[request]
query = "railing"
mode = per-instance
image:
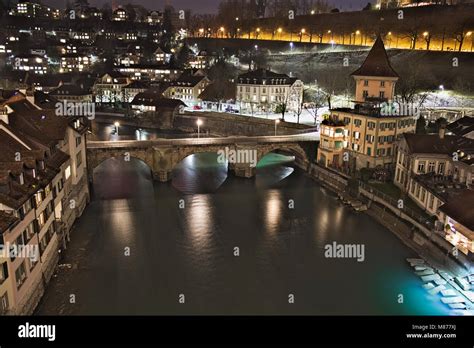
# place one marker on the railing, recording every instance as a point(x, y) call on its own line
point(395, 203)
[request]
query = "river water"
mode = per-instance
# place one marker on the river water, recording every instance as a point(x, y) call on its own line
point(228, 245)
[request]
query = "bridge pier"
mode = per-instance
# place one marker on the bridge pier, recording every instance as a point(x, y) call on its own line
point(243, 170)
point(162, 175)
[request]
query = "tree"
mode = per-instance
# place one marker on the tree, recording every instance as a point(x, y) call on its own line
point(182, 58)
point(367, 7)
point(421, 125)
point(219, 91)
point(281, 109)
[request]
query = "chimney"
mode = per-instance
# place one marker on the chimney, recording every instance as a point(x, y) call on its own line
point(442, 131)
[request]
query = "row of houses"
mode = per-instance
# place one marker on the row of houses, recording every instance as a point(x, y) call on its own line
point(43, 190)
point(436, 171)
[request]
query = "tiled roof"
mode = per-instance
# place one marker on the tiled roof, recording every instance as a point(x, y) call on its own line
point(433, 144)
point(7, 221)
point(462, 126)
point(72, 89)
point(376, 63)
point(187, 81)
point(461, 209)
point(260, 75)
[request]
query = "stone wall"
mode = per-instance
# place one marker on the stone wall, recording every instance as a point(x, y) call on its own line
point(227, 124)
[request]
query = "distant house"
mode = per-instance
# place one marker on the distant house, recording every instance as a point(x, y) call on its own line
point(458, 219)
point(162, 56)
point(120, 15)
point(463, 127)
point(71, 93)
point(434, 168)
point(149, 72)
point(156, 110)
point(109, 88)
point(74, 62)
point(32, 63)
point(187, 88)
point(154, 17)
point(203, 60)
point(263, 89)
point(132, 89)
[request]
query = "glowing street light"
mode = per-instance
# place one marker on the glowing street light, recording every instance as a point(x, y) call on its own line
point(357, 32)
point(237, 19)
point(280, 30)
point(313, 12)
point(277, 121)
point(441, 87)
point(117, 125)
point(425, 34)
point(199, 124)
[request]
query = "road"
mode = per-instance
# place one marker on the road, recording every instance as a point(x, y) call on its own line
point(306, 137)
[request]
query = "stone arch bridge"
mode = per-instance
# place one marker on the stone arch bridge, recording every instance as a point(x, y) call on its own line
point(162, 155)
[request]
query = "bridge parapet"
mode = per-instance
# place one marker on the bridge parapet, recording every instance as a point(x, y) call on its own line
point(163, 156)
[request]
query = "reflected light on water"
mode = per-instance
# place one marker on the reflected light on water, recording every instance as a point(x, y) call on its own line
point(199, 219)
point(121, 221)
point(273, 211)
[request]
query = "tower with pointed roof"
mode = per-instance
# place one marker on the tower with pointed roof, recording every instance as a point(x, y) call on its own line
point(375, 79)
point(374, 125)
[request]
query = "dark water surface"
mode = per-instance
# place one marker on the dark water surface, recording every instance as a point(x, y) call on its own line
point(182, 234)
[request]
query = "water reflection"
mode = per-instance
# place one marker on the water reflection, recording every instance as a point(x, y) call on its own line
point(199, 173)
point(190, 250)
point(273, 211)
point(272, 169)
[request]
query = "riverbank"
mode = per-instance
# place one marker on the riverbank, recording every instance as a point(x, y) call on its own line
point(409, 235)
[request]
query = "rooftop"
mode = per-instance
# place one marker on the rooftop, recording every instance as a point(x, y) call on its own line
point(460, 209)
point(376, 63)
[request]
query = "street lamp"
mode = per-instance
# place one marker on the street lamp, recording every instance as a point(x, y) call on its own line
point(199, 124)
point(277, 121)
point(313, 12)
point(117, 125)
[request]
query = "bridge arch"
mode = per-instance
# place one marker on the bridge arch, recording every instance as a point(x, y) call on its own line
point(301, 157)
point(96, 157)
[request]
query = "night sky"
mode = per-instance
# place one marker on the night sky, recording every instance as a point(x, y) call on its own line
point(200, 6)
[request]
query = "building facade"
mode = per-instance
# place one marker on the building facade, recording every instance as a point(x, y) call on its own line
point(264, 90)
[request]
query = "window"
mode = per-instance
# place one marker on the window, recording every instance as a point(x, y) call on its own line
point(441, 168)
point(366, 82)
point(78, 141)
point(67, 172)
point(382, 94)
point(357, 135)
point(421, 167)
point(431, 204)
point(79, 159)
point(382, 83)
point(357, 122)
point(369, 151)
point(20, 275)
point(4, 303)
point(431, 167)
point(365, 94)
point(3, 272)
